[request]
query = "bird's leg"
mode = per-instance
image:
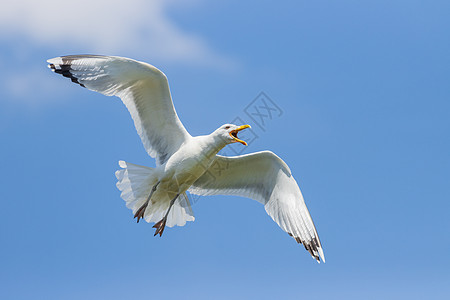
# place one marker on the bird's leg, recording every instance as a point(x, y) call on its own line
point(141, 211)
point(162, 224)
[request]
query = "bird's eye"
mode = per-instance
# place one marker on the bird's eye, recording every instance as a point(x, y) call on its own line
point(227, 127)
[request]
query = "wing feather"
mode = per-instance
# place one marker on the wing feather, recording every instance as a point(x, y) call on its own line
point(143, 89)
point(264, 177)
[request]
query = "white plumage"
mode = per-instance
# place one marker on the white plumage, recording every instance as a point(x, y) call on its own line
point(186, 163)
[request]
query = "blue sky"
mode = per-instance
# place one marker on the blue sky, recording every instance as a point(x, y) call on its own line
point(363, 87)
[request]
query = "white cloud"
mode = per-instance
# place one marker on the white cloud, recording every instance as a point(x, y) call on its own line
point(139, 29)
point(132, 27)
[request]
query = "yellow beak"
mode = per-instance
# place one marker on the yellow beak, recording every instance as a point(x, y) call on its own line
point(233, 134)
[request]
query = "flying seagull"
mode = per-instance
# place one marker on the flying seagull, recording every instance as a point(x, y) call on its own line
point(183, 162)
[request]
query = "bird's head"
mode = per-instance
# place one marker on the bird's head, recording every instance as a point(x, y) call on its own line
point(229, 133)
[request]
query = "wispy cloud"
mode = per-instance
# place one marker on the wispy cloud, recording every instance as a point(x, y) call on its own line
point(139, 29)
point(108, 26)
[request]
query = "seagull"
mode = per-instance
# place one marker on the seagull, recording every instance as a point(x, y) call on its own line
point(186, 163)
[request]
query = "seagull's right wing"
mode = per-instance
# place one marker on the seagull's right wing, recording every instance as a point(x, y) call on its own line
point(143, 89)
point(264, 177)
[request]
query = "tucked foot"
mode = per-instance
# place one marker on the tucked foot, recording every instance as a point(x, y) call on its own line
point(160, 226)
point(140, 212)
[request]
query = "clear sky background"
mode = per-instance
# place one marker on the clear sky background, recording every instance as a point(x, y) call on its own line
point(365, 95)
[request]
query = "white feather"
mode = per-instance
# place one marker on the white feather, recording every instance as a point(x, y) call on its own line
point(143, 89)
point(264, 177)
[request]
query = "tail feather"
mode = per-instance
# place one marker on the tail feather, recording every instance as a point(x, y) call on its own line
point(135, 182)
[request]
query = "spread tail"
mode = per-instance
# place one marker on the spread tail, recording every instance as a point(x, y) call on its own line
point(136, 182)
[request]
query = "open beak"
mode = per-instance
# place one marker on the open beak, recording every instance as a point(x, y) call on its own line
point(233, 134)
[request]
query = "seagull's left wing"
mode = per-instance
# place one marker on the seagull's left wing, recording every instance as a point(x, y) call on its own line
point(143, 89)
point(264, 177)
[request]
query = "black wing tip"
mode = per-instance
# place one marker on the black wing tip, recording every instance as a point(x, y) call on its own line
point(65, 70)
point(311, 246)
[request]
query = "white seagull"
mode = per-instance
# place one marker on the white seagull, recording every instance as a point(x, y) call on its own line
point(183, 162)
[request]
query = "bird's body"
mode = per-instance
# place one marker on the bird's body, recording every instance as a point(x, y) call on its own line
point(193, 158)
point(185, 163)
